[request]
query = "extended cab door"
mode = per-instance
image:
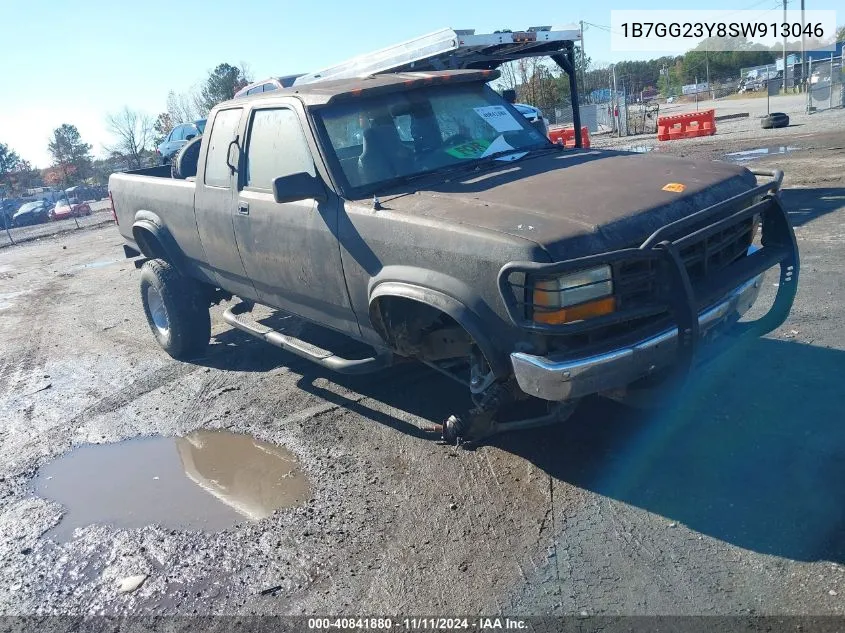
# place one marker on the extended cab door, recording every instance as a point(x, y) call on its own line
point(216, 194)
point(290, 250)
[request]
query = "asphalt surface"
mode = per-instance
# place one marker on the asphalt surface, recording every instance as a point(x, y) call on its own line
point(732, 503)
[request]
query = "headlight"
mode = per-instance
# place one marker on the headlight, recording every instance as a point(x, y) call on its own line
point(574, 297)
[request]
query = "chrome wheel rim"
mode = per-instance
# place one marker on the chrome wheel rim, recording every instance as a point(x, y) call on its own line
point(158, 311)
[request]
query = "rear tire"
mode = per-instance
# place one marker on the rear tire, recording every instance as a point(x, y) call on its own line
point(175, 308)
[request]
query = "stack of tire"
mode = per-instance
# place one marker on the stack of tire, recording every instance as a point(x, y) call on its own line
point(773, 120)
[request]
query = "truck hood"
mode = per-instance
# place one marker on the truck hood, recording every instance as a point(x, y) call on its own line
point(578, 202)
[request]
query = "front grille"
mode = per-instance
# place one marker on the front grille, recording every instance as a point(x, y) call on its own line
point(640, 284)
point(710, 256)
point(637, 283)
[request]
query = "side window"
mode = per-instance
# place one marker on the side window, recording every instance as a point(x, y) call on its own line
point(223, 132)
point(269, 87)
point(253, 91)
point(178, 133)
point(277, 147)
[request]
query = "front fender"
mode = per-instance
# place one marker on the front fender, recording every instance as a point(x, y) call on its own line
point(470, 312)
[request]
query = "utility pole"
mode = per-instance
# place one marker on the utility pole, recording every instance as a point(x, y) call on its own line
point(615, 102)
point(696, 93)
point(803, 62)
point(784, 49)
point(584, 58)
point(707, 66)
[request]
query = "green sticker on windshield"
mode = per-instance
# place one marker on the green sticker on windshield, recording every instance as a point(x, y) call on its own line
point(472, 149)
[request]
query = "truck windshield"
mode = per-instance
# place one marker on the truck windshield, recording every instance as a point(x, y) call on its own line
point(390, 137)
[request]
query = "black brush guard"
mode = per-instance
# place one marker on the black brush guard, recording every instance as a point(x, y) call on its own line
point(677, 296)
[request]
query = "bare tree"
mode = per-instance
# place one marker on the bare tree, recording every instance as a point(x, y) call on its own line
point(134, 133)
point(181, 107)
point(508, 79)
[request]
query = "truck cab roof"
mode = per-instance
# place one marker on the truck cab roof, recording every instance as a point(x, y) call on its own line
point(331, 90)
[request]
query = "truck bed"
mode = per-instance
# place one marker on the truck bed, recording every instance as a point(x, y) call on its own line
point(153, 193)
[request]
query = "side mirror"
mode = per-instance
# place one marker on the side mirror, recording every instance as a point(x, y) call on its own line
point(296, 187)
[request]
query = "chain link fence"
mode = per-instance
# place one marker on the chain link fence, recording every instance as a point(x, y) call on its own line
point(10, 236)
point(608, 112)
point(826, 89)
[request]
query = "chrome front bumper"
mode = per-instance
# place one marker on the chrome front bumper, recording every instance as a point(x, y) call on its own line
point(555, 378)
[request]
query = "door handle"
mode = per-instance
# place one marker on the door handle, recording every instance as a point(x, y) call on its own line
point(243, 208)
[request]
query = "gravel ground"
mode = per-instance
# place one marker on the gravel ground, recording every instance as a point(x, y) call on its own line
point(811, 131)
point(732, 504)
point(755, 106)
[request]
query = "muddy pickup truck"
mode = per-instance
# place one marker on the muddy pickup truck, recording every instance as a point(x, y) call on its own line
point(421, 215)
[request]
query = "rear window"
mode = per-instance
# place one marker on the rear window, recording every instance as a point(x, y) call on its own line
point(223, 131)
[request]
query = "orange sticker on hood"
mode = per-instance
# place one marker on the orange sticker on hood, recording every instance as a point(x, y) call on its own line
point(674, 186)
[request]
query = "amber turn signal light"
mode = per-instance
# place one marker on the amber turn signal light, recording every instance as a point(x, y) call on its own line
point(600, 307)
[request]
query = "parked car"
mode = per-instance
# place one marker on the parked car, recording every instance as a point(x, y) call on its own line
point(267, 85)
point(32, 213)
point(77, 193)
point(177, 138)
point(532, 274)
point(534, 116)
point(69, 209)
point(7, 210)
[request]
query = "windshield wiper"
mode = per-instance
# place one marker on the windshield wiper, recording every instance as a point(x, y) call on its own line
point(470, 165)
point(497, 157)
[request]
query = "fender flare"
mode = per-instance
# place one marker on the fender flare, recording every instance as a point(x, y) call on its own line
point(456, 309)
point(150, 222)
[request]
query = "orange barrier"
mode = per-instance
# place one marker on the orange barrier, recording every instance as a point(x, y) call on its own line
point(688, 125)
point(566, 136)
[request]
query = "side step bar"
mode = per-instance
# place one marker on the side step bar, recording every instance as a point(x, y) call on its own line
point(303, 349)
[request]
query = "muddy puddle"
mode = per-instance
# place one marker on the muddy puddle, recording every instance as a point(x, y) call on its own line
point(98, 264)
point(639, 149)
point(7, 298)
point(760, 152)
point(207, 480)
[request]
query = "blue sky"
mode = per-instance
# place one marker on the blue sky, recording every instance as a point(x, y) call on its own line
point(74, 62)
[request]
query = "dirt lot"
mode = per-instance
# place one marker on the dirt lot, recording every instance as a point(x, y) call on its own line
point(733, 504)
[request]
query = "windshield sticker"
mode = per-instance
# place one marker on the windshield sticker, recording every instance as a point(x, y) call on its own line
point(499, 118)
point(473, 149)
point(499, 144)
